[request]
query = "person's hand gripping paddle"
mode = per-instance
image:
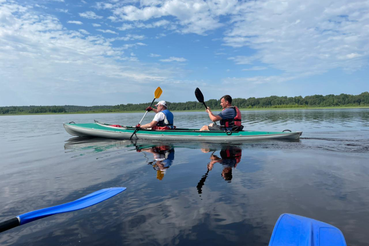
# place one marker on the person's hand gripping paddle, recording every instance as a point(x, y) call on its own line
point(157, 94)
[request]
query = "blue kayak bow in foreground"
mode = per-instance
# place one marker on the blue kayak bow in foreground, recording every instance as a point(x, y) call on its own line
point(84, 202)
point(295, 230)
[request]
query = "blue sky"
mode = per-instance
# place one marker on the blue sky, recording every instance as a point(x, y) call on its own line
point(85, 52)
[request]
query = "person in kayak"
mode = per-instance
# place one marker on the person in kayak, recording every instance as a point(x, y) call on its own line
point(230, 117)
point(163, 120)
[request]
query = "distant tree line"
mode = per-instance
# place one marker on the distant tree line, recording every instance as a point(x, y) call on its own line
point(252, 102)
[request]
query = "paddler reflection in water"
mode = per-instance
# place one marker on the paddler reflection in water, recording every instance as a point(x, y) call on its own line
point(163, 158)
point(230, 157)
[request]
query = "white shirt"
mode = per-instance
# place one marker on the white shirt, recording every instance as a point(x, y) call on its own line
point(159, 117)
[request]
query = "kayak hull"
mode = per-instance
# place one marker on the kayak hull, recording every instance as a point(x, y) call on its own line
point(108, 131)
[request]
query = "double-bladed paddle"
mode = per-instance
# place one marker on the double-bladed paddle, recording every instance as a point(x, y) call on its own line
point(83, 202)
point(157, 94)
point(293, 229)
point(200, 96)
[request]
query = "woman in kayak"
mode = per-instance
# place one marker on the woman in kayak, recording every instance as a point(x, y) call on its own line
point(230, 117)
point(163, 120)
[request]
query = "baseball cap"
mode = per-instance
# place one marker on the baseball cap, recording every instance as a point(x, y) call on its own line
point(164, 103)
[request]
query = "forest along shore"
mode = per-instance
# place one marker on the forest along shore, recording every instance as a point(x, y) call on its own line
point(272, 102)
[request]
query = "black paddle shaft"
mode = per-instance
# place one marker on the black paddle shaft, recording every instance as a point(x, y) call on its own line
point(201, 183)
point(9, 224)
point(200, 96)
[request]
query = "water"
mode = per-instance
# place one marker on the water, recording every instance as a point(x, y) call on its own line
point(171, 197)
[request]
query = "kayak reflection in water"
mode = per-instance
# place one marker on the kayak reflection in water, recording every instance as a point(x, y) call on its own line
point(230, 156)
point(163, 158)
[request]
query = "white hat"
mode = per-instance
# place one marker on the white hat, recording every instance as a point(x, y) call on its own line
point(161, 103)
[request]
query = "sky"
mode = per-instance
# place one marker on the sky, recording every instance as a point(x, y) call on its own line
point(86, 52)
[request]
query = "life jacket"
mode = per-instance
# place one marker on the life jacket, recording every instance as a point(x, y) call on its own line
point(232, 153)
point(167, 123)
point(159, 148)
point(235, 123)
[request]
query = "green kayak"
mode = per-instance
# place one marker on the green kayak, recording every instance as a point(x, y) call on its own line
point(104, 130)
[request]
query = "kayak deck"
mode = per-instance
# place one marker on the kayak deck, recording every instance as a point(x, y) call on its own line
point(125, 132)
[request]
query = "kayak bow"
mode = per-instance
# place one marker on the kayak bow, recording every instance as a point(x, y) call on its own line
point(297, 230)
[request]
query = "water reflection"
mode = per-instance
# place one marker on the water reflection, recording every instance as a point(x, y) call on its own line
point(163, 158)
point(230, 156)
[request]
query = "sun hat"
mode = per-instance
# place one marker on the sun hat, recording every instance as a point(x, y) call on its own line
point(164, 103)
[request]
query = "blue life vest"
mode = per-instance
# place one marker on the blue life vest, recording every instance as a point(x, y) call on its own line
point(168, 117)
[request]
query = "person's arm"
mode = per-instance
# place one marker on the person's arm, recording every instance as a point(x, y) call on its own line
point(213, 117)
point(214, 159)
point(150, 125)
point(158, 117)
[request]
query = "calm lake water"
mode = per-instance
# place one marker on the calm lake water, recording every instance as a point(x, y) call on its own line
point(172, 198)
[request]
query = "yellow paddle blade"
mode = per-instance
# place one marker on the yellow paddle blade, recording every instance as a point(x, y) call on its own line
point(158, 92)
point(159, 175)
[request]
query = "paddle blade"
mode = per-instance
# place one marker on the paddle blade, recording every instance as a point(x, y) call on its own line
point(84, 202)
point(292, 229)
point(199, 95)
point(158, 92)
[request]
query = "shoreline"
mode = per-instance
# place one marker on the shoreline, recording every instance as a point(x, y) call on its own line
point(241, 109)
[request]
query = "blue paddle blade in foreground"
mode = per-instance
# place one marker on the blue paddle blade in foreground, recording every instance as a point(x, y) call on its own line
point(297, 230)
point(81, 203)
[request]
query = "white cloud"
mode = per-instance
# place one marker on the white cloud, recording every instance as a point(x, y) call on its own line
point(255, 68)
point(315, 36)
point(244, 59)
point(128, 46)
point(102, 5)
point(283, 34)
point(75, 22)
point(253, 81)
point(84, 31)
point(126, 27)
point(157, 24)
point(130, 37)
point(107, 31)
point(172, 59)
point(62, 10)
point(95, 25)
point(192, 15)
point(90, 15)
point(154, 55)
point(41, 62)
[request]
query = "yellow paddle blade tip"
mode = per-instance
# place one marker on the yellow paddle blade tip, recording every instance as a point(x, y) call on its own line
point(158, 92)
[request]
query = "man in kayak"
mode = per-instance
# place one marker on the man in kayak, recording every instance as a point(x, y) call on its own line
point(230, 117)
point(163, 120)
